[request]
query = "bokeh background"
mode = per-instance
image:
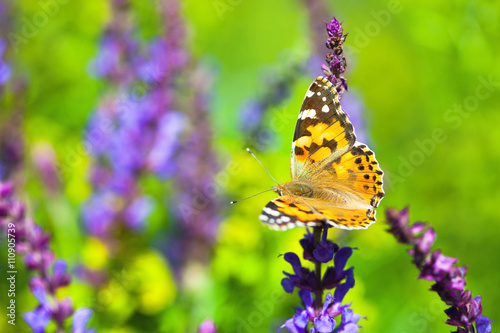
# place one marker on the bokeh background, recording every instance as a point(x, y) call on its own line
point(423, 83)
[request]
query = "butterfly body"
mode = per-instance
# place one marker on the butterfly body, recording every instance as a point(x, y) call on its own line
point(335, 179)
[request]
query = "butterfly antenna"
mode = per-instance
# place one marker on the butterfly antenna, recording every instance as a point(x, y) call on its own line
point(248, 150)
point(235, 201)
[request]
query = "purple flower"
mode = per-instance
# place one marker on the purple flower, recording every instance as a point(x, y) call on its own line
point(81, 318)
point(483, 324)
point(335, 60)
point(154, 67)
point(5, 70)
point(133, 132)
point(207, 326)
point(99, 212)
point(449, 279)
point(334, 29)
point(349, 322)
point(353, 106)
point(37, 319)
point(324, 323)
point(42, 297)
point(108, 58)
point(51, 274)
point(318, 250)
point(303, 277)
point(45, 161)
point(60, 277)
point(253, 121)
point(298, 323)
point(251, 115)
point(325, 249)
point(138, 211)
point(166, 143)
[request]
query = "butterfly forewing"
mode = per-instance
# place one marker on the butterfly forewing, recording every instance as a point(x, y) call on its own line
point(323, 131)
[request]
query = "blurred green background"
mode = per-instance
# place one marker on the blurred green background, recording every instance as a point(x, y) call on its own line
point(428, 76)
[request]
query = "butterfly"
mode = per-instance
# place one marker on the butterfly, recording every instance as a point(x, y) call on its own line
point(335, 179)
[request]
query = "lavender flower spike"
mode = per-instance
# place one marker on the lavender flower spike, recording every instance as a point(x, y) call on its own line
point(51, 274)
point(321, 314)
point(335, 61)
point(449, 280)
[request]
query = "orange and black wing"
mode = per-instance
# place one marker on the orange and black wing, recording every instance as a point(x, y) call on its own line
point(286, 212)
point(323, 131)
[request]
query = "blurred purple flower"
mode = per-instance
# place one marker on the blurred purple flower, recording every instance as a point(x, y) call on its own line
point(166, 143)
point(138, 211)
point(207, 326)
point(5, 69)
point(11, 147)
point(352, 105)
point(99, 212)
point(153, 67)
point(252, 115)
point(46, 164)
point(38, 319)
point(51, 274)
point(81, 318)
point(108, 59)
point(134, 131)
point(434, 266)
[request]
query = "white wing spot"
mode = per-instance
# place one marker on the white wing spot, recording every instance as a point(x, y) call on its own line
point(271, 211)
point(309, 93)
point(324, 99)
point(318, 93)
point(325, 108)
point(311, 113)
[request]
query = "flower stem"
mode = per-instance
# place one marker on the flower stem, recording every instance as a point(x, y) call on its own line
point(318, 299)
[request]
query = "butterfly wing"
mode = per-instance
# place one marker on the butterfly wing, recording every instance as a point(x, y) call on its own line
point(355, 177)
point(357, 172)
point(323, 131)
point(326, 155)
point(286, 212)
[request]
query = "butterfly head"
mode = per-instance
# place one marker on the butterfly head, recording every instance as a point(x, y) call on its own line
point(294, 188)
point(278, 189)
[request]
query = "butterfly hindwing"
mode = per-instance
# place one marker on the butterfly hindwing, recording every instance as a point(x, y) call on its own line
point(322, 131)
point(344, 218)
point(286, 212)
point(356, 172)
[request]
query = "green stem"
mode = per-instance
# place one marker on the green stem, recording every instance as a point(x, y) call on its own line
point(318, 298)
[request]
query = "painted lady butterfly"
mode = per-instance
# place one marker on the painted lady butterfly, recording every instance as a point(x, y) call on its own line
point(335, 179)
